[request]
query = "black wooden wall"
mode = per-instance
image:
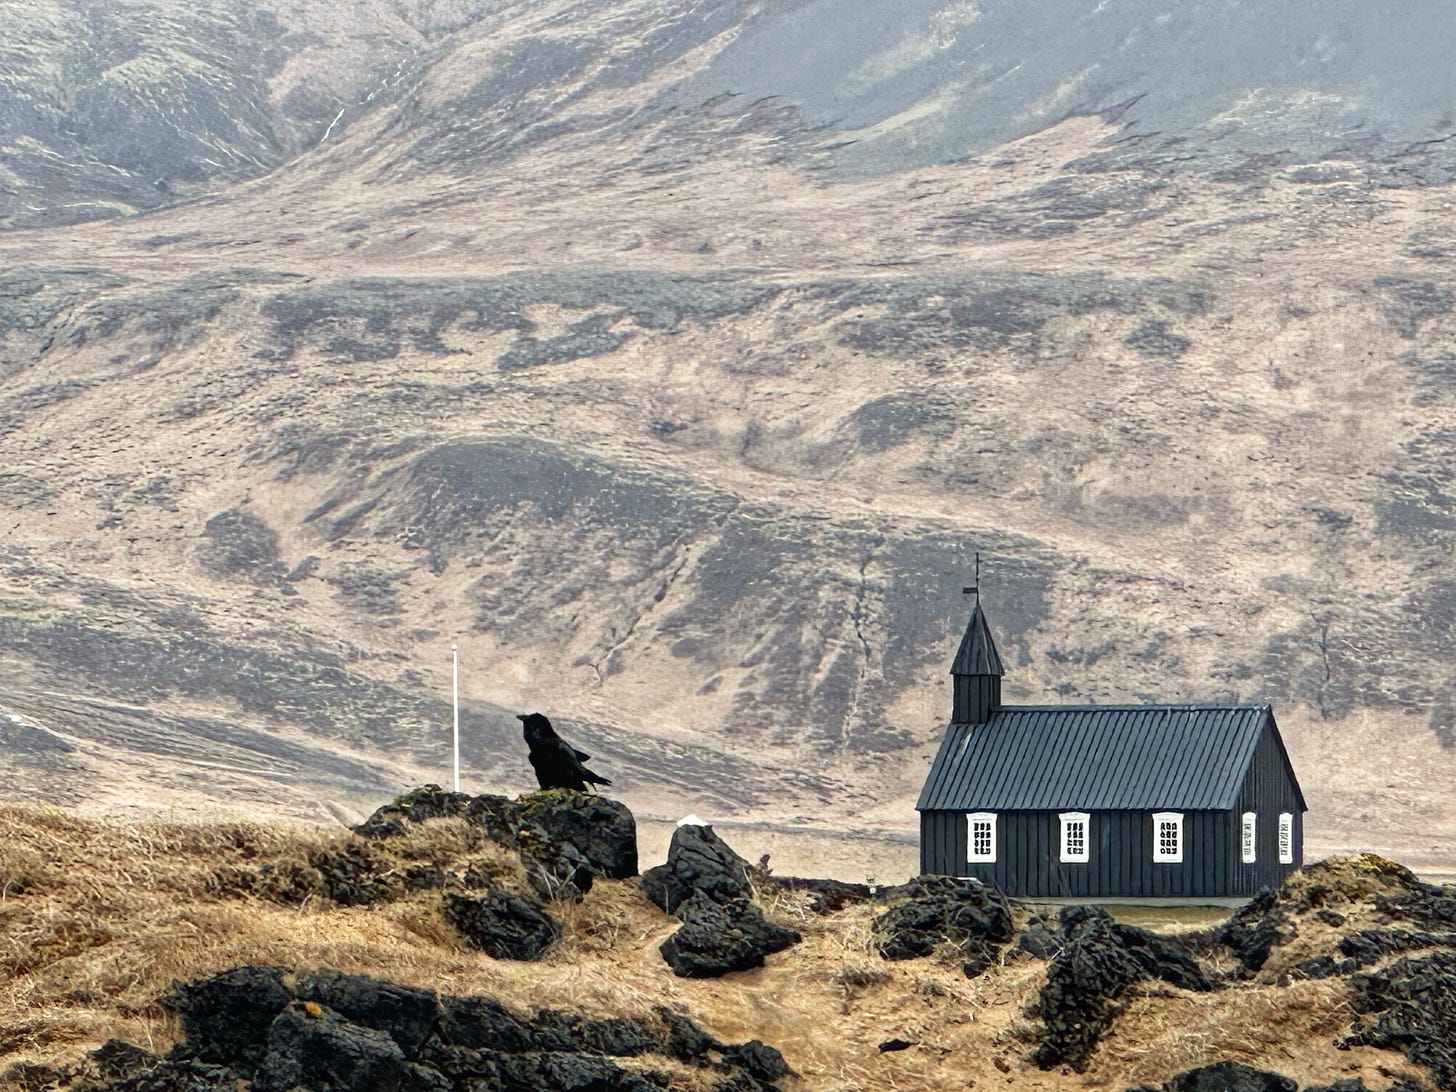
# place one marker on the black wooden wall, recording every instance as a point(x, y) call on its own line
point(1121, 861)
point(1266, 791)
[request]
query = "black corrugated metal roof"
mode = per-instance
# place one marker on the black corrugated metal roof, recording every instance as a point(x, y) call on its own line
point(1095, 757)
point(977, 654)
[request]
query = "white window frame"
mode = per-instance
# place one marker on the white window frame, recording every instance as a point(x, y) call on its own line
point(1176, 819)
point(1286, 838)
point(989, 819)
point(1248, 845)
point(1068, 818)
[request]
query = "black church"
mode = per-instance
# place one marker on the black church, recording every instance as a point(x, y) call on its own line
point(1106, 801)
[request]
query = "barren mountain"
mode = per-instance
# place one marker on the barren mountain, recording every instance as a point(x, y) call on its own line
point(676, 360)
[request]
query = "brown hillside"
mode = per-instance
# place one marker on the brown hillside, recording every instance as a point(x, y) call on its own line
point(676, 364)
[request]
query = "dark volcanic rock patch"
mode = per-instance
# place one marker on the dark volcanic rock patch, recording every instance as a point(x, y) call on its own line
point(226, 1017)
point(1411, 1006)
point(564, 838)
point(717, 938)
point(323, 1029)
point(1097, 961)
point(1227, 1077)
point(1330, 900)
point(705, 884)
point(943, 911)
point(698, 861)
point(502, 924)
point(602, 831)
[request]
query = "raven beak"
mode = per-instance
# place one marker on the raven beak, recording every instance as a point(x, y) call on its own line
point(522, 716)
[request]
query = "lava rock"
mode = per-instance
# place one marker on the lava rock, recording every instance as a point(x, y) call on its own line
point(424, 877)
point(759, 1060)
point(1426, 904)
point(1098, 959)
point(1039, 940)
point(1411, 1006)
point(1323, 966)
point(483, 1023)
point(225, 1018)
point(717, 938)
point(561, 1071)
point(1229, 1077)
point(313, 1047)
point(1366, 946)
point(407, 1014)
point(1161, 957)
point(979, 963)
point(499, 817)
point(684, 1040)
point(602, 831)
point(1252, 932)
point(967, 913)
point(1078, 1001)
point(426, 802)
point(556, 871)
point(173, 1074)
point(351, 876)
point(288, 883)
point(698, 862)
point(502, 924)
point(619, 1037)
point(117, 1058)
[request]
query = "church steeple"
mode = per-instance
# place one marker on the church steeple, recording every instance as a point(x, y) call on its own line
point(977, 670)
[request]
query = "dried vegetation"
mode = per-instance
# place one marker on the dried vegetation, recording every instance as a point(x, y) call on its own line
point(100, 917)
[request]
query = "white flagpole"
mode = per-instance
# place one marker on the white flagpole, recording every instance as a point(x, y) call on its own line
point(455, 671)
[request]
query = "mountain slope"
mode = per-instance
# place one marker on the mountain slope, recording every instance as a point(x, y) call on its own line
point(686, 418)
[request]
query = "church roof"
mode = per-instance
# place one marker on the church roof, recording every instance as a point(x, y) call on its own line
point(1095, 757)
point(977, 654)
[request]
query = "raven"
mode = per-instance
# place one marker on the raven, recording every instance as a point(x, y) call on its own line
point(558, 765)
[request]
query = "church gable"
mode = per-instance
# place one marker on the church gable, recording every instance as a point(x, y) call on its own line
point(1106, 801)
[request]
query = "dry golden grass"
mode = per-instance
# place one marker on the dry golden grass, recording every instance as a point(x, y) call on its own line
point(100, 916)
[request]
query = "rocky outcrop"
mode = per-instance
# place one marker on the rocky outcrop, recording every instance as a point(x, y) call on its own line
point(564, 838)
point(311, 1046)
point(1098, 959)
point(408, 1014)
point(603, 831)
point(353, 876)
point(1224, 1077)
point(1306, 927)
point(226, 1017)
point(416, 806)
point(698, 862)
point(1411, 1006)
point(943, 910)
point(719, 937)
point(705, 884)
point(501, 924)
point(323, 1029)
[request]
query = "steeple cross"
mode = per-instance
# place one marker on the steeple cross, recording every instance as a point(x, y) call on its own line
point(975, 589)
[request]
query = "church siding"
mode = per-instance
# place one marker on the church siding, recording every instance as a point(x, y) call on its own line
point(1120, 765)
